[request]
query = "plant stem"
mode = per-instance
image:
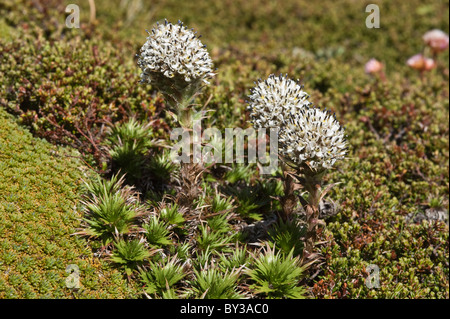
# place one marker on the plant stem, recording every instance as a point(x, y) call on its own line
point(312, 185)
point(92, 11)
point(288, 201)
point(189, 184)
point(190, 172)
point(312, 216)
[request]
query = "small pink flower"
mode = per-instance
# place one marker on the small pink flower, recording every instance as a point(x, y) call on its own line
point(421, 63)
point(429, 64)
point(373, 66)
point(437, 40)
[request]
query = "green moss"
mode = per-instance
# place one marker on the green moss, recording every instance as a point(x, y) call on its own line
point(36, 238)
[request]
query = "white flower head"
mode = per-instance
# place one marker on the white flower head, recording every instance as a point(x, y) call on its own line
point(314, 137)
point(273, 99)
point(174, 59)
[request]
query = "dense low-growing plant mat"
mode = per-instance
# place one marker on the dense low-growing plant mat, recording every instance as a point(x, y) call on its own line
point(68, 85)
point(336, 28)
point(39, 191)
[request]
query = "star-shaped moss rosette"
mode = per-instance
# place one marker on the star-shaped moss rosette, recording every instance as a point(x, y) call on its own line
point(176, 63)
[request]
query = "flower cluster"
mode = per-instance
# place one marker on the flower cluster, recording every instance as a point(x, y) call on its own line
point(421, 63)
point(173, 59)
point(271, 100)
point(437, 40)
point(313, 136)
point(307, 134)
